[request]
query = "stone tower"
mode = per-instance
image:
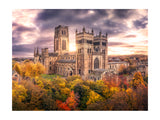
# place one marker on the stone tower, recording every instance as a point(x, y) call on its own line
point(61, 40)
point(36, 55)
point(100, 55)
point(45, 58)
point(84, 48)
point(106, 51)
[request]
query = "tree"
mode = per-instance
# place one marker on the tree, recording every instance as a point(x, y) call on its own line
point(29, 69)
point(62, 105)
point(19, 94)
point(137, 80)
point(83, 93)
point(94, 97)
point(122, 69)
point(17, 68)
point(72, 101)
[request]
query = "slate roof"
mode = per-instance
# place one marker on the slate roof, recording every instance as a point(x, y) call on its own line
point(66, 61)
point(116, 62)
point(53, 54)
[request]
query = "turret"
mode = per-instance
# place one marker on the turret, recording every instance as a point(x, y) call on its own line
point(106, 35)
point(37, 51)
point(34, 52)
point(100, 34)
point(92, 32)
point(83, 29)
point(76, 31)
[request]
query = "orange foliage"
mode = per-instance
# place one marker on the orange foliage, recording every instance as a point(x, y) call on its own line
point(72, 100)
point(70, 104)
point(62, 105)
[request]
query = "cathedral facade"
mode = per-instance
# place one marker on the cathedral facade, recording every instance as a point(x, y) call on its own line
point(89, 60)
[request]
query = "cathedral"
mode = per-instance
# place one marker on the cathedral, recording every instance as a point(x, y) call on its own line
point(89, 60)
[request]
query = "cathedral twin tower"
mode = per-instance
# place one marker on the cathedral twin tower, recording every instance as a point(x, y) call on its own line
point(91, 54)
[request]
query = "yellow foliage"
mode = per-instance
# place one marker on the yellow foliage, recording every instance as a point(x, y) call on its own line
point(114, 89)
point(137, 80)
point(94, 97)
point(75, 82)
point(18, 91)
point(100, 82)
point(39, 82)
point(29, 69)
point(60, 82)
point(65, 91)
point(17, 68)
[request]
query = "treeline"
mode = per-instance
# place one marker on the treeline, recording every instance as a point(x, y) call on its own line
point(36, 92)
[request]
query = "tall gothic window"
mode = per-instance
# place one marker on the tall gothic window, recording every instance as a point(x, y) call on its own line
point(96, 63)
point(56, 44)
point(63, 44)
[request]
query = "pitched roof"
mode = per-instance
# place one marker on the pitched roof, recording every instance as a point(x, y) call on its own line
point(53, 54)
point(66, 61)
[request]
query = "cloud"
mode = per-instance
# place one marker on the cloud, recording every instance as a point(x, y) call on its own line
point(36, 27)
point(142, 23)
point(130, 36)
point(124, 13)
point(47, 41)
point(115, 44)
point(23, 48)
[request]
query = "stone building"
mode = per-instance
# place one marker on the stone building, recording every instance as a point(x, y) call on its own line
point(89, 59)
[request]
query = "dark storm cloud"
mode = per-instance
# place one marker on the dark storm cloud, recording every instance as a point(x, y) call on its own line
point(110, 23)
point(123, 13)
point(44, 41)
point(16, 37)
point(23, 48)
point(18, 30)
point(48, 14)
point(68, 14)
point(49, 18)
point(142, 23)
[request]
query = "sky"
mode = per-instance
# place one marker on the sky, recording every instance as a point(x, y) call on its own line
point(127, 28)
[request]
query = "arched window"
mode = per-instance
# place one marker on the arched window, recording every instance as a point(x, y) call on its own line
point(96, 63)
point(63, 44)
point(79, 71)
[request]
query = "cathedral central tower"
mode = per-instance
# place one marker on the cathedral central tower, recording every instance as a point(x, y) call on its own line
point(61, 40)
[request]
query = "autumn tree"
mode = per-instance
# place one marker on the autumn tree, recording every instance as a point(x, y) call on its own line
point(62, 105)
point(137, 80)
point(94, 97)
point(72, 100)
point(122, 69)
point(17, 68)
point(29, 69)
point(19, 94)
point(83, 93)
